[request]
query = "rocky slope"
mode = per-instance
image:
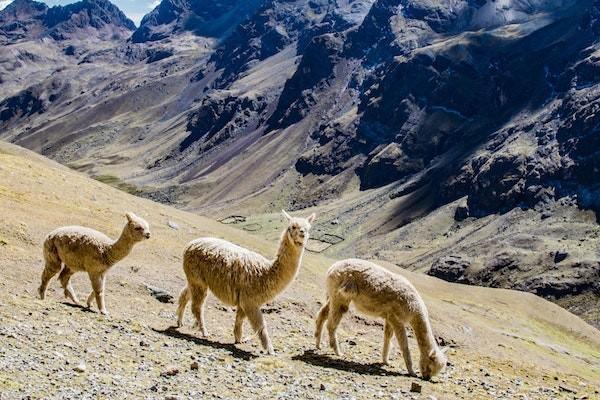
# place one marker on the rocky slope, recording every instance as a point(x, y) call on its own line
point(504, 344)
point(383, 115)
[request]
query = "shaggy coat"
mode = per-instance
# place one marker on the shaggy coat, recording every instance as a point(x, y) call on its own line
point(240, 277)
point(81, 249)
point(378, 292)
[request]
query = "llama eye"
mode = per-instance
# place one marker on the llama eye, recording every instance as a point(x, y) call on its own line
point(139, 228)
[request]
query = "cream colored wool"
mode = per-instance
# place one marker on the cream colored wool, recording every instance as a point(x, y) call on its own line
point(378, 292)
point(240, 277)
point(77, 248)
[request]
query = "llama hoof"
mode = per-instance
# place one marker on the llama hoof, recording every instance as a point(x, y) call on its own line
point(41, 294)
point(105, 313)
point(245, 340)
point(385, 362)
point(203, 331)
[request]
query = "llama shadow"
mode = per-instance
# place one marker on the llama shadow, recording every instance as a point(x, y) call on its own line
point(172, 331)
point(325, 361)
point(78, 306)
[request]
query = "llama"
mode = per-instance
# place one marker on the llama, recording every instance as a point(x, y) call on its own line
point(376, 291)
point(77, 248)
point(240, 277)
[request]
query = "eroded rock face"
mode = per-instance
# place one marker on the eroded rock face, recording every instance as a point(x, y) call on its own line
point(34, 100)
point(318, 62)
point(219, 119)
point(513, 270)
point(452, 268)
point(580, 277)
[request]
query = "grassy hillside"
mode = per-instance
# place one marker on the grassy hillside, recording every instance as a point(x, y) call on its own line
point(504, 343)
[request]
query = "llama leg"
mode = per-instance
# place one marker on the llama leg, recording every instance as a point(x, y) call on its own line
point(240, 315)
point(198, 295)
point(51, 268)
point(400, 331)
point(258, 324)
point(184, 297)
point(65, 281)
point(98, 287)
point(89, 299)
point(388, 332)
point(321, 318)
point(336, 312)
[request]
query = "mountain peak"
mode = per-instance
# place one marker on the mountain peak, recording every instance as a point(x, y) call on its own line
point(205, 18)
point(28, 19)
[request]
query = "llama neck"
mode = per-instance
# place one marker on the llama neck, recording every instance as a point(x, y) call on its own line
point(423, 333)
point(286, 263)
point(120, 248)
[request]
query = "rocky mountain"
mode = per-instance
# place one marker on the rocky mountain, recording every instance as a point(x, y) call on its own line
point(29, 20)
point(467, 116)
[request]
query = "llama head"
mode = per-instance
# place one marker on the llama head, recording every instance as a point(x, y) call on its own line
point(138, 228)
point(434, 363)
point(298, 228)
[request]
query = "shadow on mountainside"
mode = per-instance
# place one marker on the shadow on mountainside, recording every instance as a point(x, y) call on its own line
point(325, 361)
point(235, 352)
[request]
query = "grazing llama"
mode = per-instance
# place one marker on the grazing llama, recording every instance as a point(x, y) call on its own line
point(378, 292)
point(240, 277)
point(76, 248)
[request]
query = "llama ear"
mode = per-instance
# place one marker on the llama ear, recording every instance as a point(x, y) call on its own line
point(129, 216)
point(286, 215)
point(432, 354)
point(311, 218)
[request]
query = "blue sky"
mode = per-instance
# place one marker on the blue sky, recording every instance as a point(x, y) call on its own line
point(134, 9)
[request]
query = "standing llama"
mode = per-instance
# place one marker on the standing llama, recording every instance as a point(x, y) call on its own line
point(76, 248)
point(376, 291)
point(240, 277)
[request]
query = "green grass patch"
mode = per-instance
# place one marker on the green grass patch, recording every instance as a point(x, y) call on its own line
point(118, 183)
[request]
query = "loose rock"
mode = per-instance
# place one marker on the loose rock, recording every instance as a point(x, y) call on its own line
point(415, 387)
point(171, 371)
point(159, 294)
point(81, 368)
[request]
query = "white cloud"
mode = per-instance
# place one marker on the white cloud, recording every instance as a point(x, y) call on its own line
point(135, 17)
point(153, 5)
point(4, 3)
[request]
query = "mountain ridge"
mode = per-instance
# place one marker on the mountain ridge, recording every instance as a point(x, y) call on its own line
point(29, 19)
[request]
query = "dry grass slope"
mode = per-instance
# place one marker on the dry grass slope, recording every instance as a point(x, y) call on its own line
point(505, 343)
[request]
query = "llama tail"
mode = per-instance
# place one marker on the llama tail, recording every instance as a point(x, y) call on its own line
point(184, 298)
point(51, 252)
point(52, 265)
